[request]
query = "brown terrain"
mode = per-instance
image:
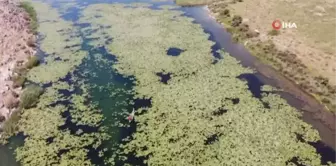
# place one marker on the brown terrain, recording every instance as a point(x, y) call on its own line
point(306, 55)
point(15, 48)
point(313, 41)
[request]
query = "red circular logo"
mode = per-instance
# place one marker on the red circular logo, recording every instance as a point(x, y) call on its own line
point(276, 24)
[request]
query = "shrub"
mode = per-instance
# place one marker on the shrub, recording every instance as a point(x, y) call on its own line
point(243, 27)
point(32, 62)
point(27, 6)
point(236, 21)
point(273, 32)
point(333, 107)
point(326, 101)
point(331, 89)
point(2, 118)
point(235, 38)
point(225, 12)
point(270, 46)
point(10, 125)
point(235, 1)
point(20, 70)
point(230, 30)
point(18, 81)
point(30, 96)
point(251, 34)
point(222, 5)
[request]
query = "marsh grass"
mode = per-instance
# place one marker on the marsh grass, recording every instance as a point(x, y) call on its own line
point(30, 96)
point(27, 6)
point(20, 76)
point(18, 81)
point(10, 126)
point(33, 61)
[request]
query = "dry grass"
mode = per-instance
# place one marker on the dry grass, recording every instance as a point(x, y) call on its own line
point(314, 39)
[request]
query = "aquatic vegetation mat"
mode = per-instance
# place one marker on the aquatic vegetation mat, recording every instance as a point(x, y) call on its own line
point(57, 128)
point(195, 118)
point(46, 143)
point(60, 40)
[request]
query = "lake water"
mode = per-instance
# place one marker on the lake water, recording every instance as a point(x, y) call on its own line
point(100, 74)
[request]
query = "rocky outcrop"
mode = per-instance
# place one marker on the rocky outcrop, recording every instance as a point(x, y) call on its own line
point(16, 45)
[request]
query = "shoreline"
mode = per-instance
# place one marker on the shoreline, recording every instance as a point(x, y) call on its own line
point(312, 109)
point(17, 48)
point(80, 114)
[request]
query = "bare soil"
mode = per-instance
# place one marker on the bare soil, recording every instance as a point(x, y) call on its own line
point(15, 48)
point(314, 39)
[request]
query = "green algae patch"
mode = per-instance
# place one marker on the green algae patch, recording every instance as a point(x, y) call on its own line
point(148, 29)
point(49, 139)
point(205, 115)
point(43, 123)
point(60, 40)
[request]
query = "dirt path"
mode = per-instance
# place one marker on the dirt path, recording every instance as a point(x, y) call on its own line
point(15, 39)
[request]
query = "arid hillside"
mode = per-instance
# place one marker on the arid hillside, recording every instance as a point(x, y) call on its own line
point(314, 39)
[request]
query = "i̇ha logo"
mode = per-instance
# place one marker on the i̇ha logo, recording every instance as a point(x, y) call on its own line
point(277, 24)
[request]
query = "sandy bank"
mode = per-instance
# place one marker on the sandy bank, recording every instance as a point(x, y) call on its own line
point(15, 37)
